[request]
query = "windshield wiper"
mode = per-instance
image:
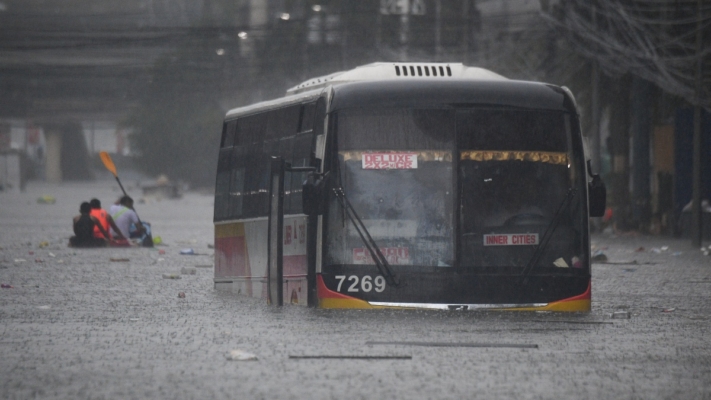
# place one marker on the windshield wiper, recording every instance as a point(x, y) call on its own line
point(547, 235)
point(380, 261)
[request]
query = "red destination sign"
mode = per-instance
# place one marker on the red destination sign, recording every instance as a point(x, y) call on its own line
point(389, 160)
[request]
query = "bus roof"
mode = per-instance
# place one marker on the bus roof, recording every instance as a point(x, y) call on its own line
point(429, 93)
point(405, 71)
point(420, 84)
point(275, 103)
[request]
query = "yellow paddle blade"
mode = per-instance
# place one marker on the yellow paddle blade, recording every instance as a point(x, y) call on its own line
point(108, 162)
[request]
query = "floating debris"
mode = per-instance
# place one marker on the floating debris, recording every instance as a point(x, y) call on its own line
point(599, 257)
point(171, 276)
point(181, 295)
point(189, 252)
point(348, 357)
point(447, 344)
point(119, 259)
point(620, 315)
point(188, 271)
point(240, 355)
point(667, 310)
point(567, 321)
point(46, 199)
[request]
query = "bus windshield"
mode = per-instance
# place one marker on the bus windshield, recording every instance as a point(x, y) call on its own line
point(516, 170)
point(395, 167)
point(418, 178)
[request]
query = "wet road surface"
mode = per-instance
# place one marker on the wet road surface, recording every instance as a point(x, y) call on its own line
point(106, 324)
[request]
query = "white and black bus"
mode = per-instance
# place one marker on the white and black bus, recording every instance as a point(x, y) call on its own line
point(413, 185)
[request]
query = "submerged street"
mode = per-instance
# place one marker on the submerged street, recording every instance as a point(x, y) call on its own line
point(109, 323)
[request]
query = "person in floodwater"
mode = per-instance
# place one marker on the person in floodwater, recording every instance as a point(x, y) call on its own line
point(127, 221)
point(84, 225)
point(105, 220)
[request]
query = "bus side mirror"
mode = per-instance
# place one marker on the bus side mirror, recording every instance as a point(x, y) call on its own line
point(597, 196)
point(312, 194)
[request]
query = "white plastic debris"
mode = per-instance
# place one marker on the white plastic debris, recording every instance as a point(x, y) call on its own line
point(560, 263)
point(620, 315)
point(44, 307)
point(240, 355)
point(20, 260)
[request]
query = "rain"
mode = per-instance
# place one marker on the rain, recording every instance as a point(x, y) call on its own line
point(106, 100)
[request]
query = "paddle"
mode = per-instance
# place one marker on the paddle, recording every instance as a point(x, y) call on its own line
point(109, 164)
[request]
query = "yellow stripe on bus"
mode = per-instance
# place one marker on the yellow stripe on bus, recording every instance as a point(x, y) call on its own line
point(344, 303)
point(229, 230)
point(532, 156)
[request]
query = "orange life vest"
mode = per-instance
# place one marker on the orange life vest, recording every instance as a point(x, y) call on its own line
point(102, 216)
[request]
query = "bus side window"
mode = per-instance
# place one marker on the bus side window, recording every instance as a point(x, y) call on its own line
point(237, 183)
point(222, 185)
point(282, 127)
point(228, 134)
point(250, 129)
point(283, 122)
point(307, 117)
point(301, 158)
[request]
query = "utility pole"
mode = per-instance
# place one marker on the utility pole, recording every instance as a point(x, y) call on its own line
point(595, 107)
point(466, 31)
point(438, 30)
point(404, 34)
point(696, 211)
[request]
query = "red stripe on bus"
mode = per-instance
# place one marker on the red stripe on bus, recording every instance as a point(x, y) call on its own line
point(325, 293)
point(583, 296)
point(231, 257)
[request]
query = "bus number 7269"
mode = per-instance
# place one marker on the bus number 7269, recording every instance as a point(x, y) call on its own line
point(366, 283)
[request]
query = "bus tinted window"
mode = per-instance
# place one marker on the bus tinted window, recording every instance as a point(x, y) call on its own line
point(251, 129)
point(301, 158)
point(307, 117)
point(243, 173)
point(412, 129)
point(222, 185)
point(395, 166)
point(515, 177)
point(507, 129)
point(283, 122)
point(228, 133)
